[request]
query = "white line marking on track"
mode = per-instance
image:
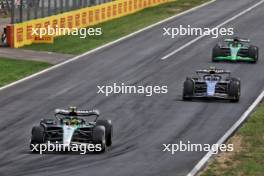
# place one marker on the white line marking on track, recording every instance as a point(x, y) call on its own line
point(218, 26)
point(104, 46)
point(204, 160)
point(244, 116)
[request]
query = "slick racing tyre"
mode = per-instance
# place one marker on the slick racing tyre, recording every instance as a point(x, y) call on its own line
point(234, 90)
point(98, 137)
point(108, 130)
point(188, 89)
point(37, 135)
point(217, 51)
point(253, 52)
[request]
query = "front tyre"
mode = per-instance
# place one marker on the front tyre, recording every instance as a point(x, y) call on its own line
point(98, 137)
point(217, 51)
point(234, 90)
point(37, 136)
point(188, 89)
point(108, 130)
point(253, 52)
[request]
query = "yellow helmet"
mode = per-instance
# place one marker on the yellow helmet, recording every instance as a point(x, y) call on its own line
point(74, 121)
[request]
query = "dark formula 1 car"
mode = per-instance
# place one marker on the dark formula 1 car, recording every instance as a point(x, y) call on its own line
point(235, 50)
point(212, 83)
point(70, 127)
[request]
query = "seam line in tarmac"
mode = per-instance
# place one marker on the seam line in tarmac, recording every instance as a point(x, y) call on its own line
point(218, 26)
point(106, 45)
point(245, 115)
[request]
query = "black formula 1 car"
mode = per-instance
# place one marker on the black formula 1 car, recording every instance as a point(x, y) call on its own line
point(69, 127)
point(235, 50)
point(212, 83)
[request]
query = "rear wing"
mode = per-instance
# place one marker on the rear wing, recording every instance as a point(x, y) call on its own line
point(213, 71)
point(240, 40)
point(77, 113)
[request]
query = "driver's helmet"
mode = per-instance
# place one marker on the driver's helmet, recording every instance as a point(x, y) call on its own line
point(74, 121)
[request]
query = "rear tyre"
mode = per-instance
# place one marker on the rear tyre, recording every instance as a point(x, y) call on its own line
point(253, 52)
point(234, 90)
point(37, 136)
point(99, 138)
point(188, 89)
point(108, 130)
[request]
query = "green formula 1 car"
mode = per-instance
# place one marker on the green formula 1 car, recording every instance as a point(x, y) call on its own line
point(235, 50)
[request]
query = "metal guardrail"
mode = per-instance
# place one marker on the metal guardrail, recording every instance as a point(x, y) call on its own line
point(24, 10)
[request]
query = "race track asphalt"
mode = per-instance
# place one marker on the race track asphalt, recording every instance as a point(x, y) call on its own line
point(141, 124)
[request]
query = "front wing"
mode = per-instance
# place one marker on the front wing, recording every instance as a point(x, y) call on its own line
point(215, 96)
point(237, 58)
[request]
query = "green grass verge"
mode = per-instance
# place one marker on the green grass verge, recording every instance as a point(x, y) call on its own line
point(249, 161)
point(4, 16)
point(117, 28)
point(12, 70)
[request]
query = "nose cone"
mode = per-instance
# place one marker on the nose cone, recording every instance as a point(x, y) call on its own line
point(234, 52)
point(68, 132)
point(211, 87)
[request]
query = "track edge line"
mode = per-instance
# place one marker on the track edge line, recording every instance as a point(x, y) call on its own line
point(228, 134)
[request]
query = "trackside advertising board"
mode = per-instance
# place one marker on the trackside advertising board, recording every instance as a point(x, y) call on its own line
point(43, 39)
point(89, 16)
